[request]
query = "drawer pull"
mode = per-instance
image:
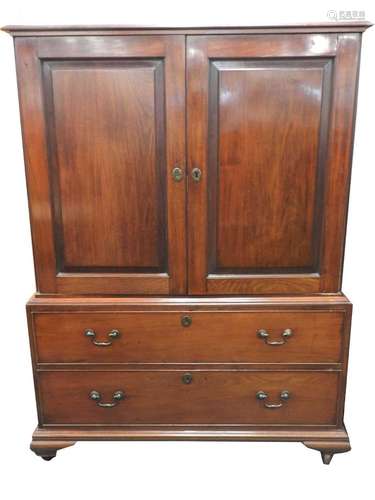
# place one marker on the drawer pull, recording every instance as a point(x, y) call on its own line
point(116, 396)
point(264, 335)
point(187, 378)
point(186, 320)
point(263, 396)
point(113, 334)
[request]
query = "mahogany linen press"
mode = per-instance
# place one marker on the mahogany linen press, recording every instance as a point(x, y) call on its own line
point(188, 193)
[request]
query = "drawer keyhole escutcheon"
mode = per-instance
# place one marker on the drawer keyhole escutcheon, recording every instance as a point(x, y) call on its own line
point(186, 320)
point(263, 396)
point(113, 334)
point(187, 378)
point(117, 396)
point(264, 335)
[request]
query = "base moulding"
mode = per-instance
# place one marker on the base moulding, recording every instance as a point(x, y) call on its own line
point(46, 441)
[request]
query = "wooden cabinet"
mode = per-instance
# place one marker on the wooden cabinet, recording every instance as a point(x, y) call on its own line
point(188, 195)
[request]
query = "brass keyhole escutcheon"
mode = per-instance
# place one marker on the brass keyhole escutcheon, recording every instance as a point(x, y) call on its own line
point(177, 174)
point(186, 320)
point(187, 378)
point(196, 174)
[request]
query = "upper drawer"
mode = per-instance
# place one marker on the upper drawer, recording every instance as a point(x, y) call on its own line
point(209, 337)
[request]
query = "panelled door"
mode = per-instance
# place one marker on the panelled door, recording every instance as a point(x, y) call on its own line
point(104, 126)
point(269, 149)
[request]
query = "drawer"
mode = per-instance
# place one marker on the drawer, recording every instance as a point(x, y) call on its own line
point(208, 337)
point(195, 397)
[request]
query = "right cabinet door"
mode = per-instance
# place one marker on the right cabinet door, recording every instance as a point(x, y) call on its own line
point(270, 127)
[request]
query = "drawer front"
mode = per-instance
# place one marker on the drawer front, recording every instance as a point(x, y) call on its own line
point(207, 337)
point(195, 397)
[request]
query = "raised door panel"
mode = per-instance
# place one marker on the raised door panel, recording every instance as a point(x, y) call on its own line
point(113, 114)
point(109, 154)
point(267, 109)
point(265, 118)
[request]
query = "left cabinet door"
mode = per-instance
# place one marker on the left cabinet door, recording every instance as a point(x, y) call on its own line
point(103, 122)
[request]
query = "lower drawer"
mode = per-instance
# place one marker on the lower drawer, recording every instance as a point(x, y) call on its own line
point(195, 397)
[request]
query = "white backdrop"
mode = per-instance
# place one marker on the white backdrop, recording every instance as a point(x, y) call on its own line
point(177, 470)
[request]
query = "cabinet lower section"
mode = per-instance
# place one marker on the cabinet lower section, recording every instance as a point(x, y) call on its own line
point(109, 369)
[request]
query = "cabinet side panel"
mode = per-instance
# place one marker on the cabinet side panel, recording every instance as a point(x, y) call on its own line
point(340, 147)
point(29, 78)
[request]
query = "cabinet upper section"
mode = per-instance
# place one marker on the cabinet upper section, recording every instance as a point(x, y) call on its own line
point(160, 163)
